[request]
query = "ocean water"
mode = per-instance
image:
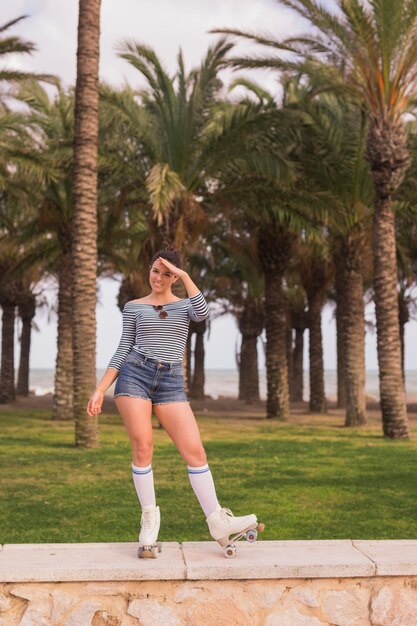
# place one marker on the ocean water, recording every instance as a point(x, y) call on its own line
point(225, 383)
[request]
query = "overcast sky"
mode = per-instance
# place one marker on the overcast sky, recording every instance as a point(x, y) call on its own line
point(165, 25)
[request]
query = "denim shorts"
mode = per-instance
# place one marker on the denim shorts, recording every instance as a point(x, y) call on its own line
point(150, 379)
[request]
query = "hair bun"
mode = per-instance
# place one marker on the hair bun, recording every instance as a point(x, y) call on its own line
point(170, 253)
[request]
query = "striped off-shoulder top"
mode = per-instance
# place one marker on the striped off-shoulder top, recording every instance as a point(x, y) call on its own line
point(162, 338)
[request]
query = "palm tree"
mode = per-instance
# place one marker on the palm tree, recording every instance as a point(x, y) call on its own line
point(367, 51)
point(337, 136)
point(340, 300)
point(239, 287)
point(47, 234)
point(276, 247)
point(8, 298)
point(84, 220)
point(173, 123)
point(11, 128)
point(16, 293)
point(28, 302)
point(298, 321)
point(14, 137)
point(27, 310)
point(278, 213)
point(186, 137)
point(407, 267)
point(406, 220)
point(316, 274)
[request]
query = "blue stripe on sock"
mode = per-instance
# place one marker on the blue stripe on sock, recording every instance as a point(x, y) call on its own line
point(198, 471)
point(140, 473)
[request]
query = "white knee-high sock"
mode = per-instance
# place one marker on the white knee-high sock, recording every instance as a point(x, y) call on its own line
point(143, 481)
point(202, 482)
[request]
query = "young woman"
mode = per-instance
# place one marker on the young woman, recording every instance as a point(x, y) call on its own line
point(148, 367)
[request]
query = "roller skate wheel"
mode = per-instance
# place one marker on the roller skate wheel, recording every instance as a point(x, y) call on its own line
point(159, 546)
point(251, 536)
point(230, 551)
point(148, 552)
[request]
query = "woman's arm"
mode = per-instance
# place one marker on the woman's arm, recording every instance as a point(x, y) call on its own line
point(112, 371)
point(96, 400)
point(198, 309)
point(108, 379)
point(127, 339)
point(191, 287)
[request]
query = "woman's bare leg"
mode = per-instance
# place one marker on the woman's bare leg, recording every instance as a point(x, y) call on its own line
point(137, 418)
point(179, 422)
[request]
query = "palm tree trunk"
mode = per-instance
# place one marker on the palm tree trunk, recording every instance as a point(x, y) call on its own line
point(63, 405)
point(391, 383)
point(241, 372)
point(289, 342)
point(275, 249)
point(276, 354)
point(197, 390)
point(84, 225)
point(22, 387)
point(317, 395)
point(315, 277)
point(7, 390)
point(297, 375)
point(249, 374)
point(389, 157)
point(27, 310)
point(404, 317)
point(251, 324)
point(340, 288)
point(353, 324)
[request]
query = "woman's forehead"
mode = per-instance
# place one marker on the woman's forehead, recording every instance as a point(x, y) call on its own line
point(160, 266)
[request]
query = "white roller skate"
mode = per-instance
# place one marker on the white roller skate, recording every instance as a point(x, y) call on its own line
point(149, 529)
point(225, 528)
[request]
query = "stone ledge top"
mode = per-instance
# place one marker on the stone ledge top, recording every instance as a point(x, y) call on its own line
point(60, 562)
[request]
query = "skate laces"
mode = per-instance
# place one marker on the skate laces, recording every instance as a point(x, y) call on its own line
point(148, 520)
point(226, 515)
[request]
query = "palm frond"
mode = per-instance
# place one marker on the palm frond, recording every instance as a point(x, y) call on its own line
point(263, 95)
point(164, 186)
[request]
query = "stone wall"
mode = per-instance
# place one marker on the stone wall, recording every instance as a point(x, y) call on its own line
point(375, 601)
point(269, 583)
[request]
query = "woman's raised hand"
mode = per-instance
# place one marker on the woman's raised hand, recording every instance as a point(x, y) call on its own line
point(95, 403)
point(172, 268)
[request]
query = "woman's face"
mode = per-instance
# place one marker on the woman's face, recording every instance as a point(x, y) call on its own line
point(160, 278)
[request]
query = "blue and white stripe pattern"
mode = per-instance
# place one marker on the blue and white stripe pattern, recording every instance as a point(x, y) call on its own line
point(198, 470)
point(141, 471)
point(159, 338)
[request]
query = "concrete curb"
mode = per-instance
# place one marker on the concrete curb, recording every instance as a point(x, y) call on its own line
point(205, 561)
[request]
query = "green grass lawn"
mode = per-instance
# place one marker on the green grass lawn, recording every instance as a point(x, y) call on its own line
point(308, 479)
